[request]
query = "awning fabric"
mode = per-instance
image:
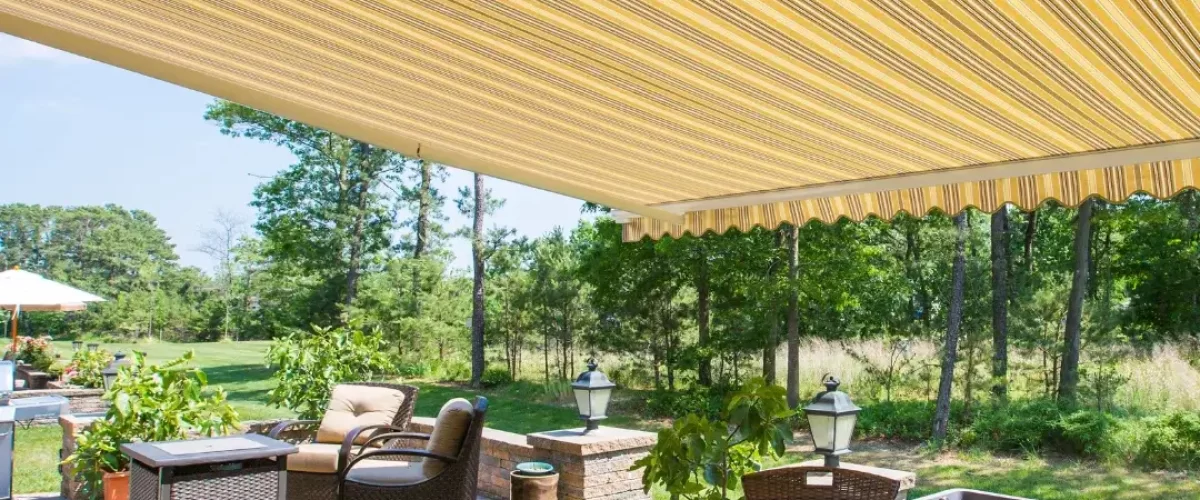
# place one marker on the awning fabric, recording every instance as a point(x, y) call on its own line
point(700, 115)
point(1159, 179)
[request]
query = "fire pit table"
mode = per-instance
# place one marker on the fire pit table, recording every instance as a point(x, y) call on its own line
point(245, 467)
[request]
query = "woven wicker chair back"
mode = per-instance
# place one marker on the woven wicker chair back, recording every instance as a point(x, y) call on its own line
point(818, 483)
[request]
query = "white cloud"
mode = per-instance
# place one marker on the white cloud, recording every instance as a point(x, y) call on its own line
point(15, 51)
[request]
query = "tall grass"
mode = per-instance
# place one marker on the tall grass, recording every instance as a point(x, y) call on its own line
point(1159, 380)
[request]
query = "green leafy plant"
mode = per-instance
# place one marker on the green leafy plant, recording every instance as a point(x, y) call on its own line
point(698, 458)
point(496, 376)
point(86, 368)
point(149, 403)
point(309, 364)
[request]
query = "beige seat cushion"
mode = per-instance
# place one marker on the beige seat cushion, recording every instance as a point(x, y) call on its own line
point(449, 432)
point(387, 474)
point(321, 458)
point(353, 406)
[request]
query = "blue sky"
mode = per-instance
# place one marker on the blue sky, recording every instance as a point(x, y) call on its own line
point(78, 132)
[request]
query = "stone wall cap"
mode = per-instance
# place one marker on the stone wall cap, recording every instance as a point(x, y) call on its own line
point(584, 443)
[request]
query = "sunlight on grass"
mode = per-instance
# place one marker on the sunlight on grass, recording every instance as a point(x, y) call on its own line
point(35, 461)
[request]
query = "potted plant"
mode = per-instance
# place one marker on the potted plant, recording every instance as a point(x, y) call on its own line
point(146, 403)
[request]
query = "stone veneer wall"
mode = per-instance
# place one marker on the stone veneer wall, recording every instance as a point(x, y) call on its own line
point(81, 400)
point(593, 470)
point(594, 467)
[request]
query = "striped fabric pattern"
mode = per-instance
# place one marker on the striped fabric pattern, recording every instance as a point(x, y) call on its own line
point(1159, 179)
point(639, 104)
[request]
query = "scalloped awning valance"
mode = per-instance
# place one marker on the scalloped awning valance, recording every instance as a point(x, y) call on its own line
point(701, 116)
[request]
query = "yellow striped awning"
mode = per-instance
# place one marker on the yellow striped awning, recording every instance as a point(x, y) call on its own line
point(696, 116)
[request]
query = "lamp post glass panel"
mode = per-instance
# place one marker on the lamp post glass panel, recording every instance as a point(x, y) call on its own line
point(592, 393)
point(114, 368)
point(831, 418)
point(76, 345)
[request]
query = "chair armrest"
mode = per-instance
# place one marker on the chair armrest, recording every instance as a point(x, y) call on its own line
point(287, 424)
point(348, 441)
point(396, 435)
point(390, 452)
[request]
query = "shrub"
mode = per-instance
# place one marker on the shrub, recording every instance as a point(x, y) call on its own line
point(149, 403)
point(911, 420)
point(86, 368)
point(1088, 433)
point(309, 364)
point(1019, 426)
point(36, 352)
point(452, 370)
point(1171, 441)
point(496, 376)
point(417, 369)
point(663, 403)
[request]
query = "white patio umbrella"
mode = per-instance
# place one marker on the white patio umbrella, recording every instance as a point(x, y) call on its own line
point(23, 290)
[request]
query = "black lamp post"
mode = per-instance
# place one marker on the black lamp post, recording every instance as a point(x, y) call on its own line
point(93, 347)
point(76, 345)
point(831, 418)
point(592, 393)
point(114, 368)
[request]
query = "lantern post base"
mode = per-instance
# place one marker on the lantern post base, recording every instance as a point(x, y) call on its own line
point(591, 425)
point(833, 461)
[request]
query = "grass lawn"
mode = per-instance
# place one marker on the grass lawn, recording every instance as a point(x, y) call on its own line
point(239, 369)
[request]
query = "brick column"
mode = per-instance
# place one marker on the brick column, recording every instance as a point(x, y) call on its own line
point(71, 425)
point(595, 465)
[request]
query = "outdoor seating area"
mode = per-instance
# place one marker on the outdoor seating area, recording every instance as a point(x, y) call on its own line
point(958, 239)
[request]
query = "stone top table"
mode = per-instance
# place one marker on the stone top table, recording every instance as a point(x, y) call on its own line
point(245, 467)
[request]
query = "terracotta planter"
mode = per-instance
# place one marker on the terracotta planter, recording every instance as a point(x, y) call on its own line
point(116, 485)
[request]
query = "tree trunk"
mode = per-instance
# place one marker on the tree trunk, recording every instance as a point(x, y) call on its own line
point(363, 151)
point(769, 354)
point(941, 418)
point(424, 206)
point(477, 318)
point(1030, 234)
point(793, 317)
point(702, 304)
point(1000, 303)
point(1069, 372)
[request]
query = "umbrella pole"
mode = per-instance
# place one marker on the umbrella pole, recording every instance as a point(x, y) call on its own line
point(16, 312)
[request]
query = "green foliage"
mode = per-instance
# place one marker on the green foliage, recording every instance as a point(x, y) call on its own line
point(1020, 426)
point(907, 420)
point(36, 352)
point(308, 365)
point(450, 370)
point(698, 458)
point(1088, 433)
point(86, 367)
point(664, 403)
point(119, 254)
point(149, 403)
point(1171, 441)
point(496, 376)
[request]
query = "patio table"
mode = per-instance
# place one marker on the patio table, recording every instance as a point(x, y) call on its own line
point(244, 467)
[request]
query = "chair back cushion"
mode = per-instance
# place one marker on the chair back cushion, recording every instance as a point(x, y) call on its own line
point(353, 406)
point(449, 432)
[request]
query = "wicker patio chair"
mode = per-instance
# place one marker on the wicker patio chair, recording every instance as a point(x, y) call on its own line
point(313, 472)
point(806, 483)
point(447, 469)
